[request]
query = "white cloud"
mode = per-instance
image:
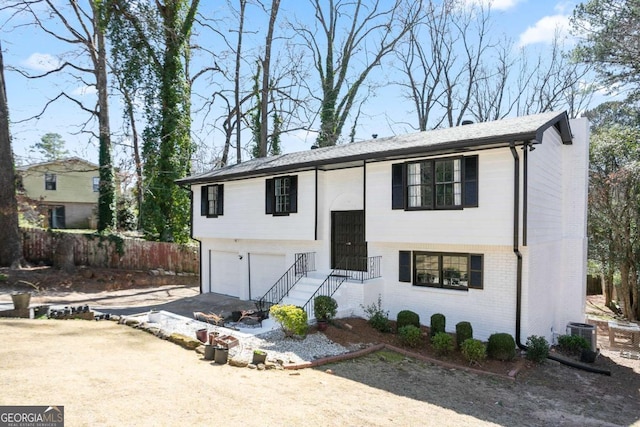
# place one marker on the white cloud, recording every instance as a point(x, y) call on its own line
point(495, 4)
point(545, 29)
point(41, 62)
point(84, 90)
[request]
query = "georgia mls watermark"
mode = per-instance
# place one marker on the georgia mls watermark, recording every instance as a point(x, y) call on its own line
point(31, 416)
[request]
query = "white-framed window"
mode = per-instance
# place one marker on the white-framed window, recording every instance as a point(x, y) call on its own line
point(50, 181)
point(96, 184)
point(212, 200)
point(281, 195)
point(442, 183)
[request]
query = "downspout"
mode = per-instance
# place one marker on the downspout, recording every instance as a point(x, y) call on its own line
point(516, 242)
point(516, 251)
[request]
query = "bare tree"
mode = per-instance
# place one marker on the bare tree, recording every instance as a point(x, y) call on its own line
point(266, 80)
point(349, 40)
point(236, 91)
point(443, 60)
point(552, 81)
point(83, 29)
point(452, 70)
point(11, 248)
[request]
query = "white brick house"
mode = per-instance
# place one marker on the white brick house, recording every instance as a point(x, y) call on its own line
point(469, 221)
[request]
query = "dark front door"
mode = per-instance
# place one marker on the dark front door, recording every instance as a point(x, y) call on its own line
point(57, 217)
point(348, 247)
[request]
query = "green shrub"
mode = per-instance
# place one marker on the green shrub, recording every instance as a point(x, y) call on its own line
point(573, 344)
point(464, 331)
point(438, 323)
point(292, 319)
point(377, 317)
point(474, 351)
point(537, 348)
point(410, 336)
point(407, 317)
point(324, 307)
point(442, 343)
point(501, 346)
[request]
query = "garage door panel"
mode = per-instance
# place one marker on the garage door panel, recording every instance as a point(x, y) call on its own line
point(266, 269)
point(225, 273)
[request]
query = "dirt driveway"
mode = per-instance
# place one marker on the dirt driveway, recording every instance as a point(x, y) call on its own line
point(104, 373)
point(108, 374)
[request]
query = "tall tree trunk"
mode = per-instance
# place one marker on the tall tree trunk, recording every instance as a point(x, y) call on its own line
point(243, 5)
point(136, 153)
point(625, 291)
point(107, 217)
point(11, 247)
point(266, 78)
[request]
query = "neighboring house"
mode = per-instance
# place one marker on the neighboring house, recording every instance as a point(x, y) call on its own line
point(66, 190)
point(469, 221)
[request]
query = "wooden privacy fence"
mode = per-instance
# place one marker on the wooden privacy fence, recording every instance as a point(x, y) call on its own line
point(594, 285)
point(112, 251)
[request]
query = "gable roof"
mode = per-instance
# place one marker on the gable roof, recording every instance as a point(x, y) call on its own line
point(67, 160)
point(500, 133)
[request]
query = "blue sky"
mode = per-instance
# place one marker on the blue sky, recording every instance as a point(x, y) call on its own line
point(527, 22)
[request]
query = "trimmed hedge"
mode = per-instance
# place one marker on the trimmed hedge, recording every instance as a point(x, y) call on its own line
point(438, 324)
point(501, 346)
point(464, 332)
point(407, 317)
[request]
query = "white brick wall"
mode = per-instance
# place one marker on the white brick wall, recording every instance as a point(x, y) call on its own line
point(554, 260)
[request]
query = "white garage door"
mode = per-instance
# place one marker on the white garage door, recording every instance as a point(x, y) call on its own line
point(225, 273)
point(265, 270)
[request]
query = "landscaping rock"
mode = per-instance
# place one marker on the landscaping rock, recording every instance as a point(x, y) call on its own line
point(184, 341)
point(238, 363)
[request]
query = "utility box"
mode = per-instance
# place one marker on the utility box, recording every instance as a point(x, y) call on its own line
point(586, 331)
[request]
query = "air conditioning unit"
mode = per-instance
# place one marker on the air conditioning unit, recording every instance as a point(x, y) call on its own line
point(586, 331)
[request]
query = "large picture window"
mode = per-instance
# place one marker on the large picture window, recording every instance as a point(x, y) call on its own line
point(212, 199)
point(442, 270)
point(449, 183)
point(281, 195)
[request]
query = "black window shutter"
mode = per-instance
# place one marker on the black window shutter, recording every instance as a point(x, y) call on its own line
point(397, 186)
point(293, 194)
point(471, 181)
point(404, 266)
point(204, 203)
point(475, 271)
point(269, 196)
point(220, 199)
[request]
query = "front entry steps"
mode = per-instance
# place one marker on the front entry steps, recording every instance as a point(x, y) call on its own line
point(304, 289)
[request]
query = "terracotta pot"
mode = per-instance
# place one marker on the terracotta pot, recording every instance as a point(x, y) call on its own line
point(201, 335)
point(322, 325)
point(212, 337)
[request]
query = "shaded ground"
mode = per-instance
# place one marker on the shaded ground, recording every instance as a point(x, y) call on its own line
point(113, 375)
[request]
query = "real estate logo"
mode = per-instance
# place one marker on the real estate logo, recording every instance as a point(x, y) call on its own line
point(31, 416)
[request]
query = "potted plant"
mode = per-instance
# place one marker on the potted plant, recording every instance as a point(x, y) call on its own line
point(324, 309)
point(259, 356)
point(22, 298)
